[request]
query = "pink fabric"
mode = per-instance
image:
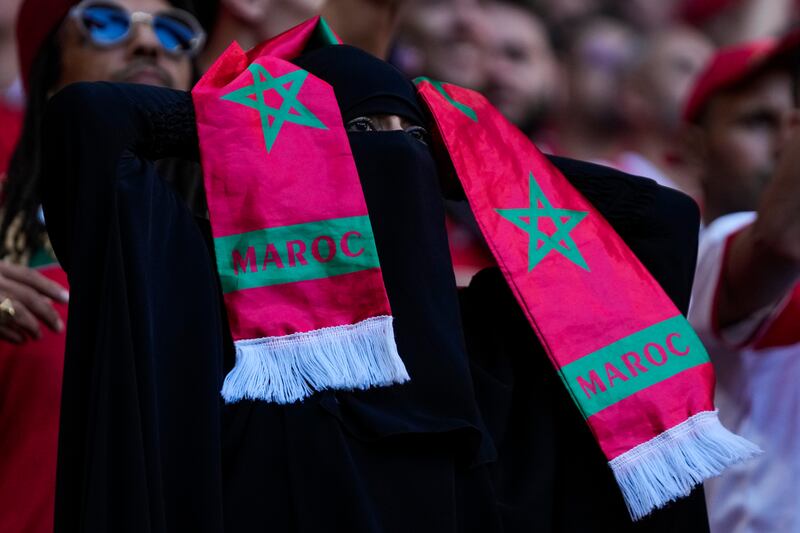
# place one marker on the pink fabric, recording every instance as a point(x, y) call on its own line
point(293, 307)
point(251, 188)
point(620, 427)
point(574, 311)
point(493, 160)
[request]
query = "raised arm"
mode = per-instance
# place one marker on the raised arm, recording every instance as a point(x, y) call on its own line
point(763, 260)
point(91, 131)
point(145, 347)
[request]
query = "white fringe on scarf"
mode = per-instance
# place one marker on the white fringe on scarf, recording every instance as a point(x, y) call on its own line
point(289, 368)
point(668, 466)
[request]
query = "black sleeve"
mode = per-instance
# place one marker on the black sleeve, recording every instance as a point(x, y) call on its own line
point(89, 129)
point(139, 439)
point(660, 225)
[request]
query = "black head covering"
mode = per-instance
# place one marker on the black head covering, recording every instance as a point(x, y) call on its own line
point(401, 187)
point(364, 85)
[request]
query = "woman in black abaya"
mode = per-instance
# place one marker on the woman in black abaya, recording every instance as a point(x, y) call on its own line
point(146, 443)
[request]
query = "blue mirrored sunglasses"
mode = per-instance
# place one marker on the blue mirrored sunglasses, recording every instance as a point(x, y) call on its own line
point(108, 24)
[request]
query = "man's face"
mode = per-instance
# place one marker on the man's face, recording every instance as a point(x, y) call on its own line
point(139, 59)
point(744, 132)
point(268, 18)
point(670, 69)
point(8, 15)
point(563, 11)
point(600, 56)
point(521, 68)
point(448, 35)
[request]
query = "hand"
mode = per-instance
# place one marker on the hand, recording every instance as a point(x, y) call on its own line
point(763, 260)
point(31, 296)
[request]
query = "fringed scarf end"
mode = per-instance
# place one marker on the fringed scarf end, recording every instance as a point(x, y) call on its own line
point(670, 465)
point(290, 368)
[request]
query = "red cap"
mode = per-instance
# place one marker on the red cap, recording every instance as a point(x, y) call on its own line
point(36, 19)
point(732, 65)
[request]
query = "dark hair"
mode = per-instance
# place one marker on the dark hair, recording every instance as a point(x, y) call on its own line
point(21, 229)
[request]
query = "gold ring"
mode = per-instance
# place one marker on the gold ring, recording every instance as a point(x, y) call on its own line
point(7, 311)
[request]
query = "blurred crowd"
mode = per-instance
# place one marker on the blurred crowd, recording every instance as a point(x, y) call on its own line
point(698, 95)
point(603, 81)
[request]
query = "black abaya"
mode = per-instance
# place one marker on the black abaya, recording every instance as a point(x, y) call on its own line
point(139, 445)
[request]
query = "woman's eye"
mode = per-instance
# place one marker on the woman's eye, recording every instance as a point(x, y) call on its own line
point(419, 133)
point(360, 124)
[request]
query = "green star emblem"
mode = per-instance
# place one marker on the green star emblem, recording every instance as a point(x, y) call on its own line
point(539, 242)
point(290, 110)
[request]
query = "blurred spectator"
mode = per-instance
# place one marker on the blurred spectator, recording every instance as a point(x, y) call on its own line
point(558, 12)
point(590, 123)
point(372, 30)
point(445, 40)
point(249, 22)
point(522, 74)
point(746, 299)
point(11, 100)
point(652, 100)
point(733, 21)
point(561, 16)
point(58, 44)
point(646, 15)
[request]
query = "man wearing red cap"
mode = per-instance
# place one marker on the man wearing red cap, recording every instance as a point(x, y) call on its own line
point(746, 301)
point(60, 42)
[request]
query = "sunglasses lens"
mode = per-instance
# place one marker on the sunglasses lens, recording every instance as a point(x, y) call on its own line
point(175, 35)
point(106, 24)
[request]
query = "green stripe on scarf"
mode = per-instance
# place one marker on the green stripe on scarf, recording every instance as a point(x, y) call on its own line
point(632, 364)
point(301, 252)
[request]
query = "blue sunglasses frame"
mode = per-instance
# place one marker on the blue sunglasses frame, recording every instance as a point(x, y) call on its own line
point(195, 43)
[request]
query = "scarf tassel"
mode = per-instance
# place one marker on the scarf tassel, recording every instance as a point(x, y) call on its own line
point(670, 465)
point(290, 368)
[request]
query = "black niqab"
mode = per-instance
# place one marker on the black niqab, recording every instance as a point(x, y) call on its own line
point(400, 183)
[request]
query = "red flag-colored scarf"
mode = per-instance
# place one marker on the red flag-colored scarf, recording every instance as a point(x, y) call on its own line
point(295, 252)
point(632, 363)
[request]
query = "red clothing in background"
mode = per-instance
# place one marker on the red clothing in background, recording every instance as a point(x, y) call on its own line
point(10, 126)
point(30, 399)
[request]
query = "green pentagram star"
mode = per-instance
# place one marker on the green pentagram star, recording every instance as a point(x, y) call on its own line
point(263, 81)
point(539, 242)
